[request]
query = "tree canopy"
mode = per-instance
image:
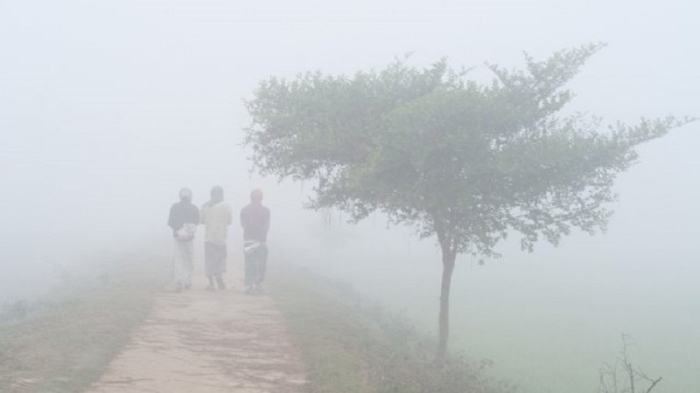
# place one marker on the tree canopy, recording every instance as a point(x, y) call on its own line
point(455, 158)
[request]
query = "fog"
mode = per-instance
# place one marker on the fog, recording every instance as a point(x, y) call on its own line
point(108, 108)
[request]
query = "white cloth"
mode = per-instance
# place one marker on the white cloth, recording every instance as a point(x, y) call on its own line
point(251, 247)
point(183, 263)
point(187, 232)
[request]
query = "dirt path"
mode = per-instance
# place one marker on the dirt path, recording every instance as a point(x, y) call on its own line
point(201, 341)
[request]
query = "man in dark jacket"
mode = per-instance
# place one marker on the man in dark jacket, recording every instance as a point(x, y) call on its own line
point(255, 220)
point(183, 220)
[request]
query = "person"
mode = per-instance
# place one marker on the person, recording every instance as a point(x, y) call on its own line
point(183, 220)
point(255, 220)
point(216, 218)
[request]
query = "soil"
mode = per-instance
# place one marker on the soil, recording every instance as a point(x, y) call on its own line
point(200, 341)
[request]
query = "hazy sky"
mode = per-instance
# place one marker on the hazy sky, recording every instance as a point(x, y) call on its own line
point(108, 107)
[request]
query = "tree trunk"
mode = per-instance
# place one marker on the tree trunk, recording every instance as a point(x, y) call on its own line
point(448, 265)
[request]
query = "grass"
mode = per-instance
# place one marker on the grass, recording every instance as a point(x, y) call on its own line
point(347, 344)
point(69, 344)
point(353, 347)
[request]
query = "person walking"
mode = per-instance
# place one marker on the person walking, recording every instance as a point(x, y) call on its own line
point(183, 220)
point(216, 218)
point(255, 220)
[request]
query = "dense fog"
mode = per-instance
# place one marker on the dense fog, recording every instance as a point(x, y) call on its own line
point(107, 109)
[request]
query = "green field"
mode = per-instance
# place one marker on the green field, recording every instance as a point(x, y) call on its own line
point(546, 323)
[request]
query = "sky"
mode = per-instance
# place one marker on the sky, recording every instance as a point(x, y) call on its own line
point(108, 108)
point(112, 106)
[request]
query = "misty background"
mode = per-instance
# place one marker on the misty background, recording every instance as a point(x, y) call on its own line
point(107, 109)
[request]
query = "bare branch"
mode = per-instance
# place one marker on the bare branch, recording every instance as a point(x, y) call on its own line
point(623, 367)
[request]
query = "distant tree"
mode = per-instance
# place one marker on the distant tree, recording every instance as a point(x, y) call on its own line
point(465, 162)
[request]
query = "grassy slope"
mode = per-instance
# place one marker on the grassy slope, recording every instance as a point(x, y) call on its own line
point(348, 346)
point(352, 347)
point(320, 327)
point(67, 346)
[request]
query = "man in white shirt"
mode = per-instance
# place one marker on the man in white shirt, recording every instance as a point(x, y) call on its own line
point(216, 217)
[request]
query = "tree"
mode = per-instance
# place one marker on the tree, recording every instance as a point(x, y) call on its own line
point(464, 162)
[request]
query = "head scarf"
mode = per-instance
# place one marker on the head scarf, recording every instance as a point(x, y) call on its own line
point(217, 195)
point(256, 196)
point(186, 194)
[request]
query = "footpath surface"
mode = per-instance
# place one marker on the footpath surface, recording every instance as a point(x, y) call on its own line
point(202, 341)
